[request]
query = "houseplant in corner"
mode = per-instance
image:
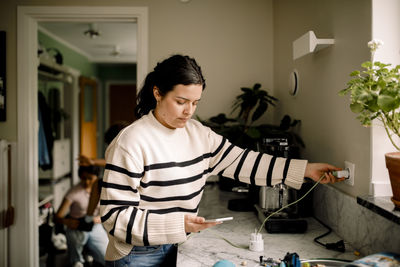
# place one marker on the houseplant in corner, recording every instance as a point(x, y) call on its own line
point(241, 130)
point(375, 94)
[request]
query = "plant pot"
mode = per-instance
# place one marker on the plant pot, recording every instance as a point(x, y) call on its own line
point(393, 166)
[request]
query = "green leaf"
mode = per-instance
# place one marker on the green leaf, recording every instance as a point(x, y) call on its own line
point(387, 102)
point(253, 133)
point(256, 86)
point(245, 90)
point(356, 107)
point(373, 105)
point(355, 73)
point(260, 110)
point(366, 64)
point(220, 119)
point(364, 96)
point(344, 92)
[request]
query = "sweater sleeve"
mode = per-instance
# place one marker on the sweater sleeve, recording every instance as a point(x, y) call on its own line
point(126, 224)
point(253, 167)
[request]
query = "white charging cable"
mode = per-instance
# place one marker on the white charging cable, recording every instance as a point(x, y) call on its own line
point(256, 240)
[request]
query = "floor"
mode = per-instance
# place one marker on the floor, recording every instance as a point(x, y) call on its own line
point(59, 258)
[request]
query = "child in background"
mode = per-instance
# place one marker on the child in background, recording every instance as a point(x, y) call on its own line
point(79, 232)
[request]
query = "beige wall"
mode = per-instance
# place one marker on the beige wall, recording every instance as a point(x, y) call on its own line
point(240, 42)
point(231, 40)
point(329, 128)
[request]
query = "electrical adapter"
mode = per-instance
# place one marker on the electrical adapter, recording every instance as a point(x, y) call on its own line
point(343, 173)
point(338, 246)
point(256, 242)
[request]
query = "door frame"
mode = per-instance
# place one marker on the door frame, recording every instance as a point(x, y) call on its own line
point(24, 249)
point(83, 140)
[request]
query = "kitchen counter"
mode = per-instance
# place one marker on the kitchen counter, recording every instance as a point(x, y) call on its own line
point(208, 246)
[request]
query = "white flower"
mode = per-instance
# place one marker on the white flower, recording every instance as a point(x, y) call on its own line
point(374, 44)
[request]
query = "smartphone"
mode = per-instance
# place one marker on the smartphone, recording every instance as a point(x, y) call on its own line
point(219, 219)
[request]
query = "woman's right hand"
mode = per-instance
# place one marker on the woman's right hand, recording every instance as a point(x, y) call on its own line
point(194, 224)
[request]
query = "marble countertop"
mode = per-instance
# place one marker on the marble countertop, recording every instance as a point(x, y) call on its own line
point(213, 244)
point(382, 206)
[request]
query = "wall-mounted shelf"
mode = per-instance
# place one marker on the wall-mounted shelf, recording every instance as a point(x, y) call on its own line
point(309, 43)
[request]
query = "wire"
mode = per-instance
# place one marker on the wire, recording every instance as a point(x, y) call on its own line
point(290, 204)
point(262, 225)
point(338, 246)
point(234, 245)
point(323, 235)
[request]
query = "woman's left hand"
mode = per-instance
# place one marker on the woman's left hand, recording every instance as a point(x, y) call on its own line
point(316, 170)
point(194, 224)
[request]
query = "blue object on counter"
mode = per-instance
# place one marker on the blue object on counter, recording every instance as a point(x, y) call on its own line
point(295, 260)
point(224, 263)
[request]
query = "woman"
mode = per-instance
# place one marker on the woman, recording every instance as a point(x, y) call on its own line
point(157, 168)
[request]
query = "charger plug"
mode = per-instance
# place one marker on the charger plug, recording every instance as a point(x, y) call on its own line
point(256, 242)
point(338, 246)
point(343, 173)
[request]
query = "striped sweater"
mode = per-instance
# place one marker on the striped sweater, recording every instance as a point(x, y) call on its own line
point(155, 175)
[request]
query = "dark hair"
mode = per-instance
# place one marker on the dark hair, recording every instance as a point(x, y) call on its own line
point(174, 70)
point(114, 130)
point(92, 169)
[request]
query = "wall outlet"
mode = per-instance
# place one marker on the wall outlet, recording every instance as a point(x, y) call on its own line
point(352, 168)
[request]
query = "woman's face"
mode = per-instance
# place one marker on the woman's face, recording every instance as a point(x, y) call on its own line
point(175, 108)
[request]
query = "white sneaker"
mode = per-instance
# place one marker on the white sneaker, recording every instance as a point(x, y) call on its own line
point(88, 258)
point(78, 264)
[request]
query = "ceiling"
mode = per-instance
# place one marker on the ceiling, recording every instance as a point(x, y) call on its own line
point(116, 42)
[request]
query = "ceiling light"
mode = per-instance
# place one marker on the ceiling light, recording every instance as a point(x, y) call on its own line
point(92, 32)
point(116, 51)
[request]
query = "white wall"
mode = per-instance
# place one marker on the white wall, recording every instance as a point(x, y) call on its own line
point(385, 27)
point(329, 128)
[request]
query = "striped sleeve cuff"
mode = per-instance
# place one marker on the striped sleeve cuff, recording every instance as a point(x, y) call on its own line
point(166, 228)
point(295, 175)
point(116, 249)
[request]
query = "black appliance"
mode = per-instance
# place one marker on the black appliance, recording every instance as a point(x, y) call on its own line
point(272, 199)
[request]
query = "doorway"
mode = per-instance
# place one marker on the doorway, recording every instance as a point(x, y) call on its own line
point(122, 102)
point(26, 201)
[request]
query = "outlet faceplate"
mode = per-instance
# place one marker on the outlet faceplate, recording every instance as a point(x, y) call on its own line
point(352, 168)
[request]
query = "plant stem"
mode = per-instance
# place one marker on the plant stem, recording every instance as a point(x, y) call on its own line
point(388, 133)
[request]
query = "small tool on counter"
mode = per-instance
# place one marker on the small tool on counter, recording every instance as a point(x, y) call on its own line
point(290, 260)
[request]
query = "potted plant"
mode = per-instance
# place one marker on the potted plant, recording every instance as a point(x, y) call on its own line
point(241, 130)
point(375, 94)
